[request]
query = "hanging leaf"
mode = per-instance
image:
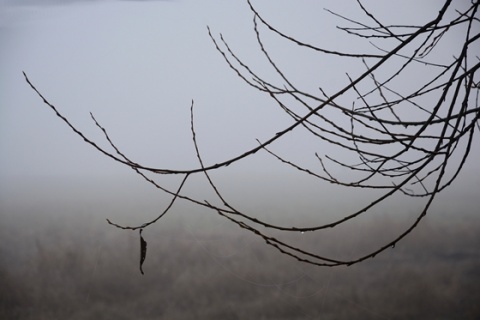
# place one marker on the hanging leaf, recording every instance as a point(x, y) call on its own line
point(143, 250)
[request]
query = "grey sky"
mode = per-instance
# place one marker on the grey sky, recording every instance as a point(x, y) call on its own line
point(133, 65)
point(137, 65)
point(56, 2)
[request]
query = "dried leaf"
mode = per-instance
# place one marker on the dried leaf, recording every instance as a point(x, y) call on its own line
point(143, 250)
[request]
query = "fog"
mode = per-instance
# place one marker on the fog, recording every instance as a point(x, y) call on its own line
point(137, 66)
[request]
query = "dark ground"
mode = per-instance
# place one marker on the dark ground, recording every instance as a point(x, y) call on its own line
point(70, 270)
point(61, 260)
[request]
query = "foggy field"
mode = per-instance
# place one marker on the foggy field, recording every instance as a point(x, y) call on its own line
point(61, 260)
point(328, 125)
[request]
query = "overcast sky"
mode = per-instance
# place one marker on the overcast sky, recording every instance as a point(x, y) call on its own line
point(137, 65)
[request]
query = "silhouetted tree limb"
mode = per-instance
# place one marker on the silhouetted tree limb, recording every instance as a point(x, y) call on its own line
point(396, 139)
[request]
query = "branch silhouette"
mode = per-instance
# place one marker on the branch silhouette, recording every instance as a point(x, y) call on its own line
point(398, 140)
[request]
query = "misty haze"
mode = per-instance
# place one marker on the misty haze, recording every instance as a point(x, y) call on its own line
point(144, 68)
